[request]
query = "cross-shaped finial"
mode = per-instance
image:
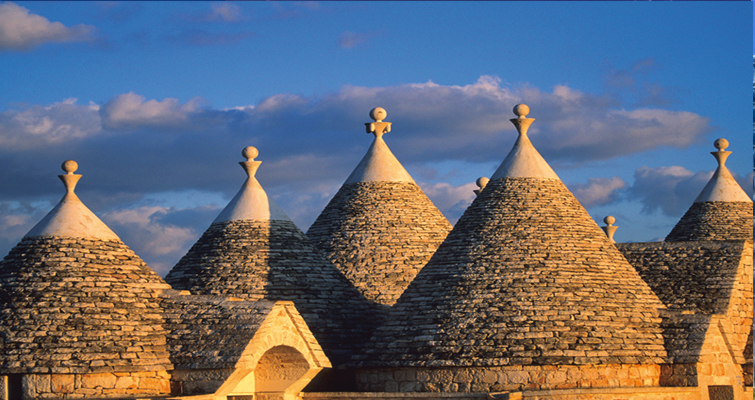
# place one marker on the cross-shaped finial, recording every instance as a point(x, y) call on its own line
point(378, 128)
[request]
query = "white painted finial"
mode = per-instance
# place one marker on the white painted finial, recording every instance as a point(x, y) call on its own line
point(721, 155)
point(609, 229)
point(69, 166)
point(721, 144)
point(481, 183)
point(378, 114)
point(521, 110)
point(250, 153)
point(378, 128)
point(70, 179)
point(250, 166)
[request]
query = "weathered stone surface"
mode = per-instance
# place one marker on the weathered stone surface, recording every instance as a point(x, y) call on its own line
point(450, 380)
point(274, 260)
point(714, 220)
point(210, 333)
point(379, 235)
point(525, 278)
point(696, 276)
point(75, 305)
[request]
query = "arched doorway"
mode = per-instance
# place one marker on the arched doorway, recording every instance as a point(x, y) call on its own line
point(278, 372)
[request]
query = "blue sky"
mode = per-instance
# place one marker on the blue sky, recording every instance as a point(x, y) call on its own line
point(155, 101)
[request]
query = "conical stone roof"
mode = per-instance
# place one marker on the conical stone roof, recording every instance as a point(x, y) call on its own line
point(380, 228)
point(253, 251)
point(524, 278)
point(75, 299)
point(722, 211)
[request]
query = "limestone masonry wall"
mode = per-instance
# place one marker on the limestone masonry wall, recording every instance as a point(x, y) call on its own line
point(514, 378)
point(102, 385)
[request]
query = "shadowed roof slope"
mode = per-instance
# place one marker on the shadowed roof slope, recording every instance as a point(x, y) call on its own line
point(722, 211)
point(75, 299)
point(524, 278)
point(380, 228)
point(264, 257)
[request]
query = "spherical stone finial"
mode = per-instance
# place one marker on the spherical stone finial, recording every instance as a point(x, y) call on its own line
point(482, 182)
point(250, 153)
point(609, 220)
point(378, 114)
point(521, 110)
point(69, 166)
point(721, 144)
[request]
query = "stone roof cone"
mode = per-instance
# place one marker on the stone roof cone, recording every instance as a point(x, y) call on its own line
point(74, 299)
point(525, 277)
point(722, 211)
point(253, 251)
point(380, 228)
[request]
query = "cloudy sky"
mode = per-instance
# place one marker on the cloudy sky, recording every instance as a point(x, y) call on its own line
point(156, 100)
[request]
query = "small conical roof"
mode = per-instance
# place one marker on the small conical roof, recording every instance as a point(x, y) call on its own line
point(526, 277)
point(88, 301)
point(722, 211)
point(380, 228)
point(251, 202)
point(253, 253)
point(71, 218)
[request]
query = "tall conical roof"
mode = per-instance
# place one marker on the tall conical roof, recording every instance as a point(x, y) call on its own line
point(722, 211)
point(257, 254)
point(75, 299)
point(380, 228)
point(526, 277)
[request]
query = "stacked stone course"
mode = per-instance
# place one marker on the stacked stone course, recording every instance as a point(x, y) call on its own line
point(273, 260)
point(82, 317)
point(525, 278)
point(714, 220)
point(379, 235)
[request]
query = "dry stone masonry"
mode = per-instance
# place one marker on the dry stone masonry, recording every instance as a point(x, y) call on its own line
point(380, 228)
point(525, 297)
point(379, 235)
point(273, 260)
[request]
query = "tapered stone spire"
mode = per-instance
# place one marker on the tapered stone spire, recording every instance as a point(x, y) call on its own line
point(380, 228)
point(722, 211)
point(525, 278)
point(253, 251)
point(71, 218)
point(74, 299)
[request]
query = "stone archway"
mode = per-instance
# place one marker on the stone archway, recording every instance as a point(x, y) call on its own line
point(279, 370)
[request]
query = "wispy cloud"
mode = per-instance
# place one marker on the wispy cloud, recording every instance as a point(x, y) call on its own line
point(598, 191)
point(309, 145)
point(350, 40)
point(672, 190)
point(225, 12)
point(22, 31)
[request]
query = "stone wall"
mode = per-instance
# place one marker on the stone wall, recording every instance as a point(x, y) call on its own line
point(656, 393)
point(514, 378)
point(120, 385)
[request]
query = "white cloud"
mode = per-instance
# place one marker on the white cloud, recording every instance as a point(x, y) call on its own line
point(226, 12)
point(35, 126)
point(451, 200)
point(668, 189)
point(20, 30)
point(144, 231)
point(130, 110)
point(598, 191)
